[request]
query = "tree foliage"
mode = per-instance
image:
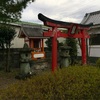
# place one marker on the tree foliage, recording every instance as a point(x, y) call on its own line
point(7, 34)
point(49, 44)
point(10, 10)
point(73, 52)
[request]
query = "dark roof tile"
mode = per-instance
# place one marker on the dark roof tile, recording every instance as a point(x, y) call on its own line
point(92, 17)
point(32, 31)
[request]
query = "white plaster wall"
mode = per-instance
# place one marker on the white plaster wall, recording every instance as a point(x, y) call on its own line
point(44, 43)
point(79, 51)
point(61, 40)
point(17, 42)
point(94, 51)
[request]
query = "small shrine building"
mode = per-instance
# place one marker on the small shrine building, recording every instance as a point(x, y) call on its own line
point(33, 36)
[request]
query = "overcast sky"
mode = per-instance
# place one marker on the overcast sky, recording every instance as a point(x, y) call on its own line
point(63, 10)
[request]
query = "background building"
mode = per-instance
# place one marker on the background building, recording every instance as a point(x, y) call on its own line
point(94, 41)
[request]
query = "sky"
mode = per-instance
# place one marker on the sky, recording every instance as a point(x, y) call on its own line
point(62, 10)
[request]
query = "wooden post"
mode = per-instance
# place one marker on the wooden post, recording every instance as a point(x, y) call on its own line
point(83, 50)
point(54, 50)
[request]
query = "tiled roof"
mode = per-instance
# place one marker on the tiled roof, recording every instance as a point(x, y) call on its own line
point(31, 31)
point(20, 23)
point(27, 23)
point(93, 17)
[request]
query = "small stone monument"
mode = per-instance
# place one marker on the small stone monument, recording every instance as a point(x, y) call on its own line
point(64, 56)
point(25, 58)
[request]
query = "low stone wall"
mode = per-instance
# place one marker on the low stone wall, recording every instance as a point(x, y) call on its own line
point(90, 60)
point(37, 66)
point(14, 58)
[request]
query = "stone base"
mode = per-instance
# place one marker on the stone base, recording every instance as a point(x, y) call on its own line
point(39, 66)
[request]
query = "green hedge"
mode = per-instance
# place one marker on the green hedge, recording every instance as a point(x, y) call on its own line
point(98, 63)
point(71, 83)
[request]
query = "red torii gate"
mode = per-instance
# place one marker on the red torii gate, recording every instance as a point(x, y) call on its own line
point(56, 33)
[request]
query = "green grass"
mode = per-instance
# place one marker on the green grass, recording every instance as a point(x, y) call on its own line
point(71, 83)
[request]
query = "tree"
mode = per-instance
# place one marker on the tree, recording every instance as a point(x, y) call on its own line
point(10, 10)
point(49, 44)
point(71, 42)
point(7, 34)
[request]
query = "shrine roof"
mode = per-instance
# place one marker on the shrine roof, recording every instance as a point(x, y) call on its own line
point(31, 31)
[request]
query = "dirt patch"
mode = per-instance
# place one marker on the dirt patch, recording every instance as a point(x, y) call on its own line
point(7, 79)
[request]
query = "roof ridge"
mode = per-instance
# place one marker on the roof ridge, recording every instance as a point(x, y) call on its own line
point(94, 12)
point(92, 17)
point(86, 17)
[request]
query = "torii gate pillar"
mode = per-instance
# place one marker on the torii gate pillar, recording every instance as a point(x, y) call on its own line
point(83, 49)
point(54, 52)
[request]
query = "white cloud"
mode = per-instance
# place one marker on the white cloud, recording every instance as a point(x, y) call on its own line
point(28, 15)
point(68, 19)
point(65, 10)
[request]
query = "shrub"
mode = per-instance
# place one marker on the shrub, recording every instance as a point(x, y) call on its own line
point(98, 63)
point(71, 42)
point(71, 83)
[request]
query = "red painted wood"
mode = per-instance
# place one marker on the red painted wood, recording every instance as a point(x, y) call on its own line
point(83, 48)
point(54, 50)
